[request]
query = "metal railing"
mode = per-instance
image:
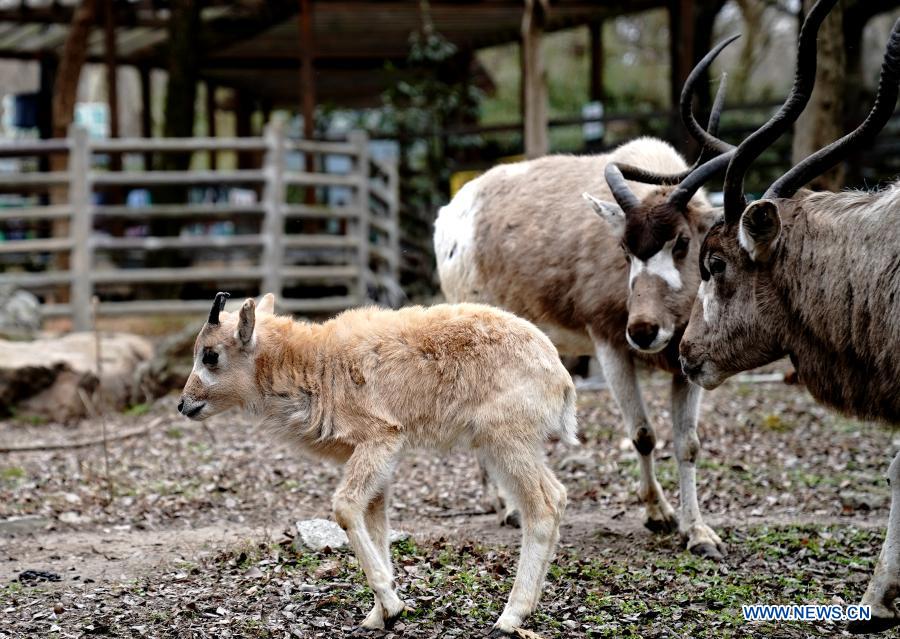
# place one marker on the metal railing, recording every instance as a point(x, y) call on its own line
point(356, 241)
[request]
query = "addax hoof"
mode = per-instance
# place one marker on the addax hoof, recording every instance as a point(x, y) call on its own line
point(661, 525)
point(706, 550)
point(875, 624)
point(497, 632)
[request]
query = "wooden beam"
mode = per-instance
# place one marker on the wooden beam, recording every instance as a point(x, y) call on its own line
point(534, 81)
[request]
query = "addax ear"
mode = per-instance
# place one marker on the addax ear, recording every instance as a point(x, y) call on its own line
point(246, 322)
point(266, 304)
point(760, 229)
point(609, 211)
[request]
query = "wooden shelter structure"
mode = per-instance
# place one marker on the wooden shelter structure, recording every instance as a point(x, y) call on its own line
point(300, 53)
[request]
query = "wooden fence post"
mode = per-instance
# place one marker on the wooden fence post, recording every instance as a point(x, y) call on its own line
point(273, 203)
point(82, 224)
point(360, 140)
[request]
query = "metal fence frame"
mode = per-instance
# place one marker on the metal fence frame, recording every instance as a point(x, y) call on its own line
point(371, 221)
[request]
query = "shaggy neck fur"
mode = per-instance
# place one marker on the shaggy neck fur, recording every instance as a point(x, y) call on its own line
point(290, 371)
point(838, 273)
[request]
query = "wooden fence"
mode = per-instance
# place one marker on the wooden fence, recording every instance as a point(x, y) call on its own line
point(302, 244)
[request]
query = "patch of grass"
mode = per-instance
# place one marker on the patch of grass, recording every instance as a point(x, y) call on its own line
point(12, 474)
point(174, 433)
point(774, 421)
point(137, 410)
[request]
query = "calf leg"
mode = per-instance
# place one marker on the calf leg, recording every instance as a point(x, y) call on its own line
point(366, 475)
point(377, 524)
point(542, 500)
point(884, 586)
point(499, 499)
point(618, 368)
point(701, 539)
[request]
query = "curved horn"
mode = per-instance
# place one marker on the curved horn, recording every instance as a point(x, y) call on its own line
point(706, 137)
point(619, 189)
point(823, 159)
point(637, 174)
point(218, 305)
point(778, 124)
point(698, 177)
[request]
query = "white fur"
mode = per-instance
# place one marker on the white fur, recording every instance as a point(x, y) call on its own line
point(517, 168)
point(707, 295)
point(662, 264)
point(454, 240)
point(746, 243)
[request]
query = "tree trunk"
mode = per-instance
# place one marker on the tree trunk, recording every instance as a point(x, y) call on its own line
point(822, 120)
point(65, 90)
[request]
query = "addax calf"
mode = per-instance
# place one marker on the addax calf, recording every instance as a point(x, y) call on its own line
point(370, 384)
point(815, 277)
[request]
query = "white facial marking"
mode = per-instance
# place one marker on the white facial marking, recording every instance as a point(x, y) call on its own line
point(206, 376)
point(662, 264)
point(745, 242)
point(707, 295)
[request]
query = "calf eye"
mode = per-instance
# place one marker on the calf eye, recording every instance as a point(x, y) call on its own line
point(210, 358)
point(716, 265)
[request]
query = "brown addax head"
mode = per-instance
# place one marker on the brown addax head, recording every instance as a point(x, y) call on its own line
point(661, 234)
point(739, 320)
point(224, 373)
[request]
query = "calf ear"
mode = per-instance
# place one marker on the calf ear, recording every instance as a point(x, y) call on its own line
point(266, 304)
point(609, 211)
point(760, 229)
point(246, 322)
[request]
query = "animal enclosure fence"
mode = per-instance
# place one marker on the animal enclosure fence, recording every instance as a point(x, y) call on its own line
point(315, 222)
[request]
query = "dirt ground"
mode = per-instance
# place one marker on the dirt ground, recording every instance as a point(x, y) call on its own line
point(189, 531)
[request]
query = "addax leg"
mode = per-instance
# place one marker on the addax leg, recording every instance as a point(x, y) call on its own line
point(701, 539)
point(366, 475)
point(884, 586)
point(542, 500)
point(618, 368)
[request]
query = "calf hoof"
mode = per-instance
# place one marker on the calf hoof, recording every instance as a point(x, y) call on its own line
point(390, 620)
point(706, 550)
point(512, 519)
point(875, 624)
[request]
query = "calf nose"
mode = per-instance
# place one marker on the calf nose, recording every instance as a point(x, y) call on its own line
point(181, 406)
point(643, 333)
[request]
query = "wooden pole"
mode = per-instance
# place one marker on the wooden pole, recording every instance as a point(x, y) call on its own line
point(146, 111)
point(211, 128)
point(307, 87)
point(307, 78)
point(596, 32)
point(110, 55)
point(534, 81)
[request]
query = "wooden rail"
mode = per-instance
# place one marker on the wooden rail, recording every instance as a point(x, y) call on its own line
point(354, 246)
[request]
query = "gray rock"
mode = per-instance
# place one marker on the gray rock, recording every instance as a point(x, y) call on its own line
point(317, 534)
point(20, 313)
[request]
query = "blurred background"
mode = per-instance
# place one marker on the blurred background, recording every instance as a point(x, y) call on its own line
point(156, 151)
